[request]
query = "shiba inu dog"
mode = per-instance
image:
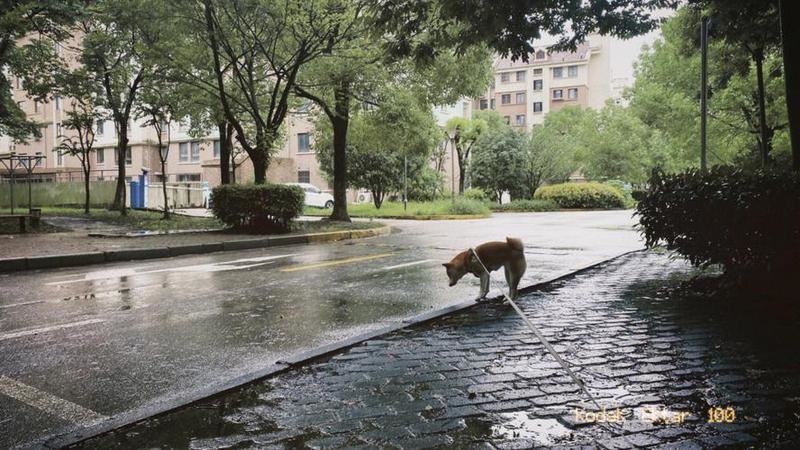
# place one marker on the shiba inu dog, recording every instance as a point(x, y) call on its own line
point(509, 255)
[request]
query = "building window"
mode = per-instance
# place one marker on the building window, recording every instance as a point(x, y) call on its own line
point(504, 77)
point(520, 119)
point(537, 72)
point(19, 83)
point(35, 106)
point(572, 71)
point(188, 177)
point(520, 75)
point(540, 54)
point(572, 93)
point(195, 151)
point(507, 119)
point(58, 129)
point(303, 176)
point(128, 156)
point(302, 143)
point(183, 152)
point(558, 94)
point(520, 98)
point(57, 102)
point(537, 107)
point(164, 152)
point(99, 126)
point(484, 104)
point(505, 99)
point(537, 85)
point(558, 72)
point(492, 103)
point(59, 158)
point(39, 161)
point(216, 149)
point(101, 155)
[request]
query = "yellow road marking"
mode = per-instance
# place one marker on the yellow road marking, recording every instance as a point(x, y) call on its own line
point(335, 262)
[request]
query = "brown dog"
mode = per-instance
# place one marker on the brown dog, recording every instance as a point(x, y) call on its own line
point(509, 254)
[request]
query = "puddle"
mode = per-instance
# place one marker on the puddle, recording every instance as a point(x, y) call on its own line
point(518, 425)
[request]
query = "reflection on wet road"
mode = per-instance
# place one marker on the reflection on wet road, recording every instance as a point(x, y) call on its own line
point(126, 336)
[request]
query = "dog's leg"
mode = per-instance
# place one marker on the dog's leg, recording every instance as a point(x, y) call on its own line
point(484, 287)
point(512, 287)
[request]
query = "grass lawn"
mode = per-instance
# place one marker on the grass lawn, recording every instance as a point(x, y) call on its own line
point(135, 220)
point(438, 209)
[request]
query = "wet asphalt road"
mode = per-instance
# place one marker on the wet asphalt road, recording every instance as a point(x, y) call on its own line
point(80, 345)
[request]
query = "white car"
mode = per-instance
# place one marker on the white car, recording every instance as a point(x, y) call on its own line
point(314, 196)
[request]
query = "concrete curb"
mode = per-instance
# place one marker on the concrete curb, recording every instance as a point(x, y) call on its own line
point(83, 259)
point(296, 360)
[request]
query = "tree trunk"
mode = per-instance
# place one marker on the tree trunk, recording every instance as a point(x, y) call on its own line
point(164, 186)
point(122, 147)
point(259, 160)
point(791, 69)
point(86, 170)
point(341, 123)
point(766, 141)
point(224, 152)
point(377, 198)
point(462, 172)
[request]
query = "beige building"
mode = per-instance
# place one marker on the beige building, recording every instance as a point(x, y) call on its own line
point(524, 92)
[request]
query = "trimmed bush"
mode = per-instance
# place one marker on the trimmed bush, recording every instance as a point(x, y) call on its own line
point(582, 196)
point(464, 206)
point(747, 222)
point(525, 206)
point(258, 207)
point(625, 189)
point(475, 194)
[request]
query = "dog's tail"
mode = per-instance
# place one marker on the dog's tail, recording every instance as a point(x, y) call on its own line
point(515, 244)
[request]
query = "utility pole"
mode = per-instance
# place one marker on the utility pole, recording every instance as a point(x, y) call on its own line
point(703, 91)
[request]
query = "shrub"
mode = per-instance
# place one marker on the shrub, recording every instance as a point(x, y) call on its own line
point(475, 194)
point(258, 207)
point(466, 206)
point(525, 206)
point(625, 189)
point(582, 195)
point(746, 222)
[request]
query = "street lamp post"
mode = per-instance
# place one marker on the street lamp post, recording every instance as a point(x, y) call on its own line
point(451, 136)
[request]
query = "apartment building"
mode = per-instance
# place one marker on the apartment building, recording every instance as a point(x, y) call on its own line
point(524, 92)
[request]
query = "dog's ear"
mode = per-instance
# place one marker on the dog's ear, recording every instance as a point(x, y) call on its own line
point(446, 265)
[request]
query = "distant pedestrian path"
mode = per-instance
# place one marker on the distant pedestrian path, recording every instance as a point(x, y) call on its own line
point(665, 363)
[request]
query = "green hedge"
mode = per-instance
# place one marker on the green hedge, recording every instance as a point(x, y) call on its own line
point(475, 194)
point(465, 206)
point(258, 207)
point(582, 196)
point(747, 222)
point(525, 206)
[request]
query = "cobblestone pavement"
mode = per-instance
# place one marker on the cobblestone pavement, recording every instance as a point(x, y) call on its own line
point(479, 379)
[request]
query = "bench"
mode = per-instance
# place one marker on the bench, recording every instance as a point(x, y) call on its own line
point(34, 216)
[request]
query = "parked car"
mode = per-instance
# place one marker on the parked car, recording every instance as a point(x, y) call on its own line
point(314, 196)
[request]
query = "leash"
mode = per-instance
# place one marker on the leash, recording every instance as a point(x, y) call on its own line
point(552, 351)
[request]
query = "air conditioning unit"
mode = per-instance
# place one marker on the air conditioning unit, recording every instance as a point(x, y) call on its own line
point(363, 197)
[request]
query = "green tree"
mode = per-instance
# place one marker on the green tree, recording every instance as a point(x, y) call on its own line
point(665, 97)
point(257, 50)
point(498, 163)
point(82, 115)
point(546, 160)
point(42, 21)
point(465, 133)
point(380, 140)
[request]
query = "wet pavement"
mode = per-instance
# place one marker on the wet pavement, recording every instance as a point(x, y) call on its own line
point(480, 379)
point(80, 346)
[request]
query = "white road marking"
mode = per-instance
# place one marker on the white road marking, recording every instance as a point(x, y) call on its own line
point(210, 267)
point(17, 334)
point(49, 403)
point(12, 305)
point(408, 264)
